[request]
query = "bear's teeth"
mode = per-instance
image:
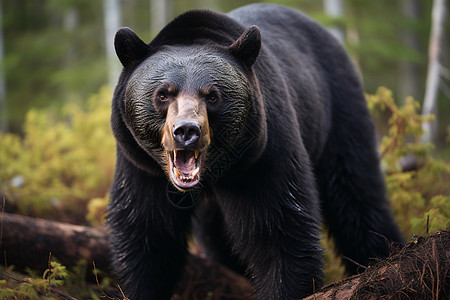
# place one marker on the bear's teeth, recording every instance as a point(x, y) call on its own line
point(194, 173)
point(175, 152)
point(189, 177)
point(177, 173)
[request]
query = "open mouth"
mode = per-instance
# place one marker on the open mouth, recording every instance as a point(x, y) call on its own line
point(185, 168)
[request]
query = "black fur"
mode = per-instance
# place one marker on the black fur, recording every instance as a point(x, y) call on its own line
point(292, 143)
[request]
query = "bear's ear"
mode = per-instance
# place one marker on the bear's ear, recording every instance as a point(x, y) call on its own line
point(246, 47)
point(129, 47)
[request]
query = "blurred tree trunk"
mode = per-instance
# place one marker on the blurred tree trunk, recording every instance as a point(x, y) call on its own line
point(3, 103)
point(111, 12)
point(409, 74)
point(434, 68)
point(334, 9)
point(70, 25)
point(161, 11)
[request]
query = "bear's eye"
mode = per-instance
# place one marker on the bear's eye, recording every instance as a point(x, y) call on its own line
point(162, 97)
point(212, 98)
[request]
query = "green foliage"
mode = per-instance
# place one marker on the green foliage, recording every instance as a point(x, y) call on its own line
point(5, 292)
point(419, 198)
point(77, 274)
point(55, 274)
point(55, 283)
point(404, 125)
point(420, 194)
point(334, 270)
point(96, 210)
point(54, 52)
point(33, 286)
point(61, 162)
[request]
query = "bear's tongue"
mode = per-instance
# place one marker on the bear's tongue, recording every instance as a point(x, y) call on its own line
point(184, 160)
point(185, 165)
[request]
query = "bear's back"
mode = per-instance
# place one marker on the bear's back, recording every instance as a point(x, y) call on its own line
point(282, 24)
point(310, 62)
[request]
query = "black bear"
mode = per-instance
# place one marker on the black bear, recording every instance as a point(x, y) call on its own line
point(250, 127)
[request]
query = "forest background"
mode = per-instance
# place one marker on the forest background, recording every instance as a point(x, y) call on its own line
point(58, 70)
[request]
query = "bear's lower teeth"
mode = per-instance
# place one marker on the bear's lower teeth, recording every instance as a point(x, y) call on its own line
point(186, 178)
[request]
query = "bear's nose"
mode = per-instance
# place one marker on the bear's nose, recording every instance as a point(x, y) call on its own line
point(186, 133)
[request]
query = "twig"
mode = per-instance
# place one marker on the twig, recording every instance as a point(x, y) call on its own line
point(435, 258)
point(355, 262)
point(61, 294)
point(14, 278)
point(123, 295)
point(1, 233)
point(6, 262)
point(104, 294)
point(49, 269)
point(1, 221)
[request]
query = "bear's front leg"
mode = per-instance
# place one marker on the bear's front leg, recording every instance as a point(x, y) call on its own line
point(147, 259)
point(288, 262)
point(147, 238)
point(151, 269)
point(276, 234)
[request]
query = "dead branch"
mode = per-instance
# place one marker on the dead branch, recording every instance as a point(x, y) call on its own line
point(421, 270)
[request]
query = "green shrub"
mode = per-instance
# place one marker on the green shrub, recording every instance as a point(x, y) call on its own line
point(33, 286)
point(61, 162)
point(420, 194)
point(420, 198)
point(57, 282)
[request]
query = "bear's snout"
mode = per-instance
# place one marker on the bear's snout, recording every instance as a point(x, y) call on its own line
point(186, 125)
point(186, 137)
point(186, 134)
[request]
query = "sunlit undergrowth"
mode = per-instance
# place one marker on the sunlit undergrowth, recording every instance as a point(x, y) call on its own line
point(56, 282)
point(32, 286)
point(420, 198)
point(61, 162)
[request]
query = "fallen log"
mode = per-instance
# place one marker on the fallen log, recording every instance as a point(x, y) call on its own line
point(421, 270)
point(27, 243)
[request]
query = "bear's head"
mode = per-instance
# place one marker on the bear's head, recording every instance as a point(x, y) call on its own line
point(185, 105)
